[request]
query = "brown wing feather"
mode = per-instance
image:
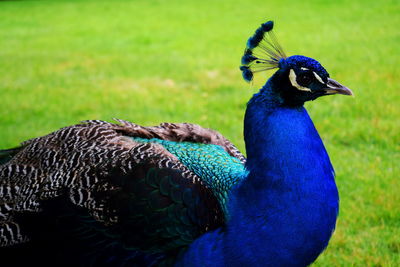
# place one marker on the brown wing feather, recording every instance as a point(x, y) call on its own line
point(182, 132)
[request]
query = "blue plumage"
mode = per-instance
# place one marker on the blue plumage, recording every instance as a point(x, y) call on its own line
point(267, 26)
point(258, 35)
point(247, 59)
point(246, 73)
point(306, 62)
point(285, 211)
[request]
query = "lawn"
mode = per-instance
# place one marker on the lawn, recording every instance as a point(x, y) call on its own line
point(151, 61)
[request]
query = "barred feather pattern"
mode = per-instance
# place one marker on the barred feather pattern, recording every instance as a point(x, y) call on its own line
point(72, 161)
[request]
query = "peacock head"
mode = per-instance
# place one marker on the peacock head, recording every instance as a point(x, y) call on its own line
point(298, 78)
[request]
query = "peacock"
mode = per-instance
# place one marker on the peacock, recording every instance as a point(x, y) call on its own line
point(177, 194)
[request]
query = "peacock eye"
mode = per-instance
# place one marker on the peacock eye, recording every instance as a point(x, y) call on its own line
point(304, 79)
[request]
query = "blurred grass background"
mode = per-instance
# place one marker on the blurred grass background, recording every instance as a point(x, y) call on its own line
point(150, 61)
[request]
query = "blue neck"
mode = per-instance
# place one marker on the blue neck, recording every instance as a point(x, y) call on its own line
point(285, 211)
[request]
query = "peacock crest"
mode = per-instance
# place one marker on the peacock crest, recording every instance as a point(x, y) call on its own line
point(263, 52)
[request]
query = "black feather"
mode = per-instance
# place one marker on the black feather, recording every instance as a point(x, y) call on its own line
point(7, 154)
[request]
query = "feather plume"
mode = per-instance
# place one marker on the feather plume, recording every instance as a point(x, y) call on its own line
point(263, 52)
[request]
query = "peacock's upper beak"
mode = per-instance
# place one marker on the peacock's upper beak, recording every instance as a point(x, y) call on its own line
point(333, 87)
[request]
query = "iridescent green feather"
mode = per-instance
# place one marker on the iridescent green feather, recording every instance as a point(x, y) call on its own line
point(218, 170)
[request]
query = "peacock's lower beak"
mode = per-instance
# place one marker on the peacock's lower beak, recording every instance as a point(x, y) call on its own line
point(333, 87)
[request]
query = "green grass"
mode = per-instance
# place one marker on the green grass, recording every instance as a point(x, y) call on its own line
point(151, 61)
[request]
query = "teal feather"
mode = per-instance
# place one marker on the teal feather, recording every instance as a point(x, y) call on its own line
point(218, 170)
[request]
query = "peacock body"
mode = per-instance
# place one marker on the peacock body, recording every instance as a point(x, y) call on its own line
point(120, 194)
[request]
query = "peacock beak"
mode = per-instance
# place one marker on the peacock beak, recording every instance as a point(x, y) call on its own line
point(333, 87)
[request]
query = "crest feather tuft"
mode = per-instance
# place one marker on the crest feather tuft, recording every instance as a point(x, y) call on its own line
point(263, 52)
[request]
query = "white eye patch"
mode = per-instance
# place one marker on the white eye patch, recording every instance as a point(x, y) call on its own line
point(292, 78)
point(318, 78)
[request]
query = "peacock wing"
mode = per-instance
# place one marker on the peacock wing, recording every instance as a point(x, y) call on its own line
point(137, 195)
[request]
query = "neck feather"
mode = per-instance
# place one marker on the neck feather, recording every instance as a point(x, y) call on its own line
point(290, 192)
point(284, 212)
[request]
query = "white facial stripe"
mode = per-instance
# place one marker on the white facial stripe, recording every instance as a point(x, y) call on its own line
point(303, 68)
point(292, 78)
point(318, 78)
